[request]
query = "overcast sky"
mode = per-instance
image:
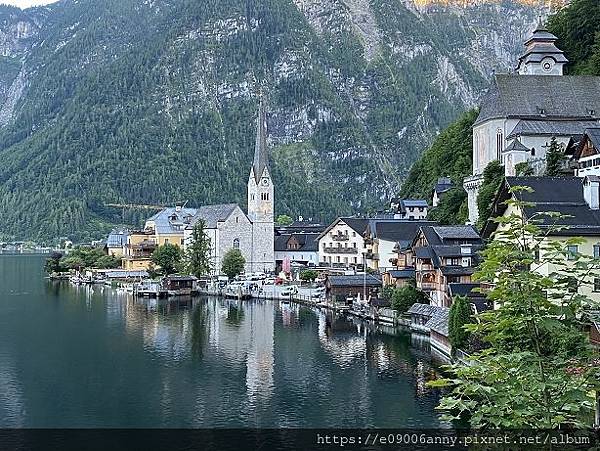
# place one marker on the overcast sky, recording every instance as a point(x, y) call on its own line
point(26, 3)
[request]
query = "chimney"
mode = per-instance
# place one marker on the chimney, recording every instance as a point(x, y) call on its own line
point(300, 218)
point(591, 191)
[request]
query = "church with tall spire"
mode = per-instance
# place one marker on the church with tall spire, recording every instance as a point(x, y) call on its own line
point(261, 199)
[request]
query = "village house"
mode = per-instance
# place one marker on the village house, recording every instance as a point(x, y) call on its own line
point(342, 244)
point(413, 209)
point(522, 112)
point(586, 153)
point(444, 255)
point(226, 226)
point(578, 199)
point(443, 185)
point(385, 238)
point(296, 248)
point(116, 243)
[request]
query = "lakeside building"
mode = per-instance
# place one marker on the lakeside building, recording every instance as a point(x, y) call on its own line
point(412, 209)
point(342, 244)
point(523, 111)
point(385, 238)
point(578, 199)
point(296, 248)
point(444, 255)
point(226, 225)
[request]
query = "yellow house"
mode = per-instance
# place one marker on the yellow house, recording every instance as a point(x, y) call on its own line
point(168, 225)
point(577, 199)
point(138, 251)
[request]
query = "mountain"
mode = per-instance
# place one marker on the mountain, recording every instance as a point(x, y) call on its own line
point(154, 101)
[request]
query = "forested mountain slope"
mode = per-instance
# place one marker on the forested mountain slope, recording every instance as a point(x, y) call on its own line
point(152, 102)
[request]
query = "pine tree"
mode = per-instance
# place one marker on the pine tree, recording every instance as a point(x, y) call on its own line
point(460, 315)
point(197, 256)
point(554, 158)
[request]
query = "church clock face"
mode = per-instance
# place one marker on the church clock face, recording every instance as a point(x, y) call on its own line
point(265, 182)
point(547, 65)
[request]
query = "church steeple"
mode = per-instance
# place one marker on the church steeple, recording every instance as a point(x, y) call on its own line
point(542, 57)
point(261, 157)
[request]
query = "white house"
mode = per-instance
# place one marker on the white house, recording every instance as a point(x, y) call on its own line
point(342, 244)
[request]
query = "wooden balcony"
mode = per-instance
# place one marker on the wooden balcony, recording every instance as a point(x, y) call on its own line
point(340, 250)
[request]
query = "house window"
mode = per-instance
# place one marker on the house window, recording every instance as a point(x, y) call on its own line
point(166, 241)
point(572, 252)
point(355, 260)
point(354, 245)
point(353, 234)
point(338, 258)
point(596, 250)
point(237, 220)
point(236, 243)
point(182, 241)
point(596, 284)
point(499, 143)
point(572, 285)
point(533, 151)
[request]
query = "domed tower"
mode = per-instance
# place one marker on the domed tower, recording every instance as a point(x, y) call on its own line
point(542, 57)
point(261, 201)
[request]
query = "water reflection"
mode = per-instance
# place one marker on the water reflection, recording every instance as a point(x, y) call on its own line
point(109, 360)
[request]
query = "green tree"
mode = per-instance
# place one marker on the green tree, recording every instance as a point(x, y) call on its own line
point(524, 169)
point(284, 220)
point(233, 263)
point(403, 298)
point(538, 369)
point(167, 257)
point(493, 174)
point(451, 209)
point(460, 316)
point(309, 275)
point(52, 264)
point(197, 256)
point(555, 157)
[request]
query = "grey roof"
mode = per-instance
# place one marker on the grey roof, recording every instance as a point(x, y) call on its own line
point(308, 242)
point(354, 281)
point(550, 128)
point(124, 274)
point(563, 195)
point(173, 219)
point(525, 96)
point(402, 273)
point(594, 136)
point(464, 289)
point(423, 309)
point(439, 321)
point(518, 146)
point(261, 156)
point(213, 214)
point(541, 45)
point(397, 231)
point(117, 238)
point(414, 203)
point(457, 270)
point(443, 184)
point(456, 232)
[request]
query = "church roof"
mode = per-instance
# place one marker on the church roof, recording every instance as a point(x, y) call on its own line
point(213, 214)
point(541, 97)
point(550, 128)
point(261, 156)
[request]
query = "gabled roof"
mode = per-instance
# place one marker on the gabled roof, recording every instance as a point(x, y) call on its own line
point(443, 184)
point(213, 214)
point(541, 45)
point(439, 321)
point(541, 96)
point(456, 233)
point(308, 242)
point(408, 273)
point(359, 225)
point(368, 280)
point(563, 195)
point(173, 220)
point(397, 231)
point(422, 309)
point(117, 238)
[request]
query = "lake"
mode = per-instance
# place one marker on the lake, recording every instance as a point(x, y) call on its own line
point(81, 357)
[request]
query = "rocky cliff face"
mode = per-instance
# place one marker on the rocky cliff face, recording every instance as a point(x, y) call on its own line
point(154, 101)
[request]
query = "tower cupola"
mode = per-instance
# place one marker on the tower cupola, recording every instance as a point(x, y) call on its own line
point(542, 57)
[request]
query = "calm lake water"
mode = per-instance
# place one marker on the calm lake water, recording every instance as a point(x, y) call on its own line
point(94, 357)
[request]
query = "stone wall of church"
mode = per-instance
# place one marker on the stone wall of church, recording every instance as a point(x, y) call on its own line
point(264, 247)
point(236, 227)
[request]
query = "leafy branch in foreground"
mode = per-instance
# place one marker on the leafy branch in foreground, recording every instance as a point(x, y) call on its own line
point(538, 369)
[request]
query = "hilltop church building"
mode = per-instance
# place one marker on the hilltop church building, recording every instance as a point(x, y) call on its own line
point(523, 111)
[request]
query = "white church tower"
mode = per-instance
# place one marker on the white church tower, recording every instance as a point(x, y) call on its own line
point(542, 57)
point(261, 199)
